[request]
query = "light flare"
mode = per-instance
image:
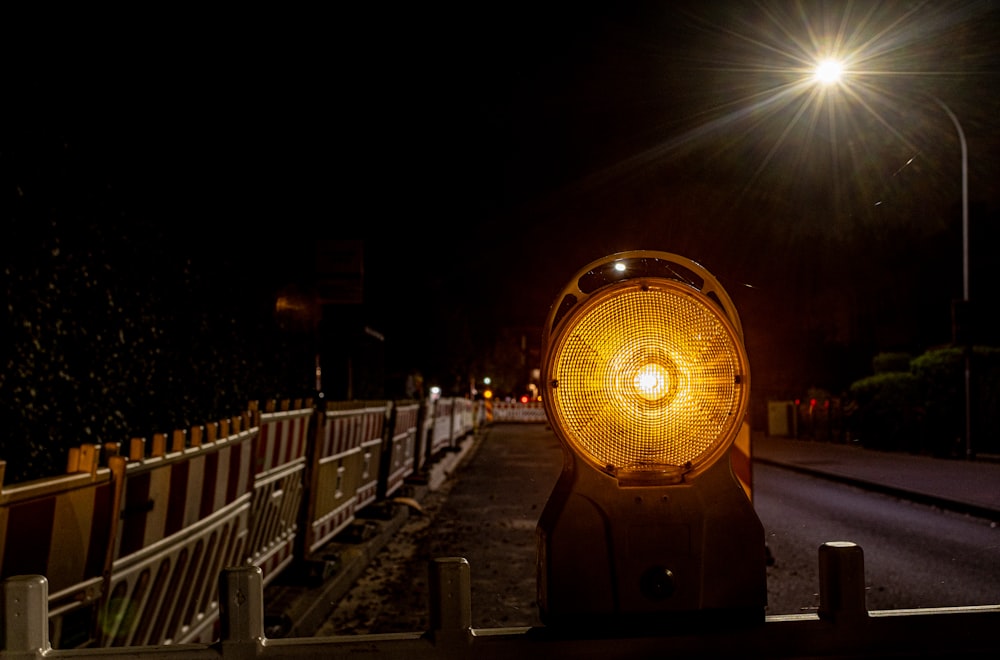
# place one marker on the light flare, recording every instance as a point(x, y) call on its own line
point(767, 115)
point(829, 71)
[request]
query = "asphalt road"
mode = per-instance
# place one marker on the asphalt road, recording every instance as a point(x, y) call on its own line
point(915, 555)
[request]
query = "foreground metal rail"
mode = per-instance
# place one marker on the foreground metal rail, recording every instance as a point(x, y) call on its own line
point(842, 628)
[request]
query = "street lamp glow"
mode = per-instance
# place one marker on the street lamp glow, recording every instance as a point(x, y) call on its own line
point(829, 72)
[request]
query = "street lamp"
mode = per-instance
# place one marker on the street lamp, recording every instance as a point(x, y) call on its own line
point(829, 72)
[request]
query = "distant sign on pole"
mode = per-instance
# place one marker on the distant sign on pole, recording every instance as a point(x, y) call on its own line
point(340, 271)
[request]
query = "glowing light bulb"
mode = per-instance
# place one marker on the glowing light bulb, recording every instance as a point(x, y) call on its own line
point(651, 382)
point(829, 71)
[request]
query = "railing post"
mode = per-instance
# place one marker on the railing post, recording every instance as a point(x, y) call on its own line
point(842, 582)
point(241, 610)
point(450, 600)
point(26, 617)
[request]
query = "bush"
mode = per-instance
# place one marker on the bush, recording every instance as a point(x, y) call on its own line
point(940, 373)
point(884, 415)
point(922, 409)
point(885, 363)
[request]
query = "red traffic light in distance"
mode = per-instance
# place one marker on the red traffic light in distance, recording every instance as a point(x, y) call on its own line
point(646, 383)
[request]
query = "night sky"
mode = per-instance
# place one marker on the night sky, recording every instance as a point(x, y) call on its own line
point(526, 142)
point(183, 169)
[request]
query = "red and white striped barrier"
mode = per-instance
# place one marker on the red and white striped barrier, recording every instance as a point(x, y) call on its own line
point(463, 413)
point(425, 435)
point(372, 440)
point(279, 483)
point(399, 459)
point(513, 411)
point(184, 516)
point(118, 542)
point(741, 458)
point(479, 419)
point(441, 432)
point(61, 527)
point(348, 444)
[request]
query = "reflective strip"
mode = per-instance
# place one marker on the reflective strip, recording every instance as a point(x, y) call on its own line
point(740, 456)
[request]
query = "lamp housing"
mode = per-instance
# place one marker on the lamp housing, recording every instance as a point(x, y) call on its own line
point(645, 380)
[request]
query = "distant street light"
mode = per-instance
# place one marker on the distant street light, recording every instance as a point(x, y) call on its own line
point(830, 72)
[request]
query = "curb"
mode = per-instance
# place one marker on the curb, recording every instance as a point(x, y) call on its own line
point(986, 513)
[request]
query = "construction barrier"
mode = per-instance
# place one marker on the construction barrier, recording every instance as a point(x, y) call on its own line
point(62, 528)
point(184, 516)
point(168, 521)
point(479, 420)
point(124, 533)
point(464, 414)
point(513, 411)
point(344, 472)
point(425, 435)
point(441, 432)
point(398, 460)
point(279, 482)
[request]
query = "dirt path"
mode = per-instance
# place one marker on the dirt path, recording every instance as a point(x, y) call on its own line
point(486, 512)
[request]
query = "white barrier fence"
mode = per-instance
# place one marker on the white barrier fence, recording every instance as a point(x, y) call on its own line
point(512, 411)
point(842, 628)
point(131, 549)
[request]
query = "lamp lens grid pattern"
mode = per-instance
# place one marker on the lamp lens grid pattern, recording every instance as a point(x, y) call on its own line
point(648, 376)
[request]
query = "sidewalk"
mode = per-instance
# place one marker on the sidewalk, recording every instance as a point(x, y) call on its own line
point(965, 486)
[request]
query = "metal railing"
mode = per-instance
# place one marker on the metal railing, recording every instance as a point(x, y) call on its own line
point(842, 628)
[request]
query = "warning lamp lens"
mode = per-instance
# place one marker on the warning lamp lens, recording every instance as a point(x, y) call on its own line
point(651, 382)
point(647, 375)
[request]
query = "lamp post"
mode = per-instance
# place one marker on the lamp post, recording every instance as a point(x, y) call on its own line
point(829, 72)
point(967, 350)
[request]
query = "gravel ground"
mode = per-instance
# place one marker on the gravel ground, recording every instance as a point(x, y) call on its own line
point(483, 513)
